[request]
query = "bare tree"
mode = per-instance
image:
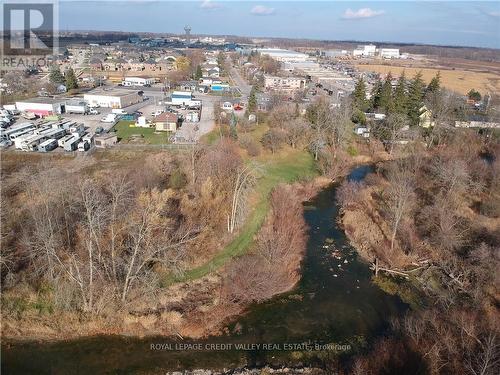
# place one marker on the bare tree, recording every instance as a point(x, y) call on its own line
point(487, 360)
point(273, 139)
point(400, 194)
point(245, 179)
point(296, 131)
point(120, 200)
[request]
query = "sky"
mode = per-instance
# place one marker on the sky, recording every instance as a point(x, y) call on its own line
point(460, 23)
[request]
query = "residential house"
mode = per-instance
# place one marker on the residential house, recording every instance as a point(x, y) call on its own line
point(166, 121)
point(425, 117)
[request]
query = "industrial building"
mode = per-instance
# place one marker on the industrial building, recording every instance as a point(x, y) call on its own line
point(42, 106)
point(138, 81)
point(367, 50)
point(283, 83)
point(112, 98)
point(284, 55)
point(389, 53)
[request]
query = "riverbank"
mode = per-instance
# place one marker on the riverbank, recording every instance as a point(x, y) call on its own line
point(192, 308)
point(188, 306)
point(335, 305)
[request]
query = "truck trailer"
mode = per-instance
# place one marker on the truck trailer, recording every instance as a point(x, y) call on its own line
point(72, 144)
point(48, 145)
point(79, 107)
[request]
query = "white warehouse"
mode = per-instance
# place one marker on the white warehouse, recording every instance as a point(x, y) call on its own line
point(284, 55)
point(365, 50)
point(138, 81)
point(389, 53)
point(112, 98)
point(42, 106)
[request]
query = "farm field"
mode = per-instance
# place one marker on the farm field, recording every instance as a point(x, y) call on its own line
point(458, 80)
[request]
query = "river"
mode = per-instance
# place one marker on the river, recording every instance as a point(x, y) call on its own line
point(335, 310)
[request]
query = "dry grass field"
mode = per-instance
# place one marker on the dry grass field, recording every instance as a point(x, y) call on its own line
point(456, 74)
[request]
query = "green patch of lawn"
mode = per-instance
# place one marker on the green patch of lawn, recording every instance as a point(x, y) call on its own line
point(287, 167)
point(211, 137)
point(127, 132)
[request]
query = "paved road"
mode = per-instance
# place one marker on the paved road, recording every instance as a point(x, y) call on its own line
point(240, 82)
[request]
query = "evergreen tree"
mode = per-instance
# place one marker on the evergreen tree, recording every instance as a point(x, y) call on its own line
point(376, 93)
point(399, 97)
point(434, 84)
point(55, 75)
point(252, 100)
point(474, 95)
point(386, 102)
point(415, 98)
point(359, 95)
point(358, 117)
point(199, 72)
point(70, 78)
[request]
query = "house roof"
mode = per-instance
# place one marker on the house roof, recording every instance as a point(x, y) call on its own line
point(166, 117)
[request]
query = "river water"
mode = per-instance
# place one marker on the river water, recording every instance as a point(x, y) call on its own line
point(335, 311)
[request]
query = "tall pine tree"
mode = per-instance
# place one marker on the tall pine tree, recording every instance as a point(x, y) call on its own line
point(55, 75)
point(252, 101)
point(376, 93)
point(198, 73)
point(386, 103)
point(435, 84)
point(359, 95)
point(70, 78)
point(416, 91)
point(399, 97)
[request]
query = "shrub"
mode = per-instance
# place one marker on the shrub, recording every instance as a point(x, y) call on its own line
point(177, 179)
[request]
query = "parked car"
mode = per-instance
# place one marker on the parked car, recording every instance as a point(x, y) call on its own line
point(118, 111)
point(93, 111)
point(95, 105)
point(157, 113)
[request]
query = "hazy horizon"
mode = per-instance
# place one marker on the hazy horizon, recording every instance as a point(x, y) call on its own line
point(461, 23)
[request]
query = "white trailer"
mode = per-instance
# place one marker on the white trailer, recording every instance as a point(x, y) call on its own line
point(31, 144)
point(19, 141)
point(62, 141)
point(77, 130)
point(89, 138)
point(77, 107)
point(54, 133)
point(72, 144)
point(20, 133)
point(48, 145)
point(16, 130)
point(83, 146)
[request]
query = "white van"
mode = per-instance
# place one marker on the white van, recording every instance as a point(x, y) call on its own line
point(119, 111)
point(109, 118)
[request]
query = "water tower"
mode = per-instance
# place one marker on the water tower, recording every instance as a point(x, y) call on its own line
point(187, 29)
